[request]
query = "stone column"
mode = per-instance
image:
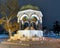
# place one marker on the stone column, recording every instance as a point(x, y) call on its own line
point(39, 25)
point(20, 25)
point(29, 24)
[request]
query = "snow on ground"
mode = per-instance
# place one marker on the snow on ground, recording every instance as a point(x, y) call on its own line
point(3, 36)
point(51, 34)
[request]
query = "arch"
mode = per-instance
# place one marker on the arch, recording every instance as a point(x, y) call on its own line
point(34, 15)
point(24, 16)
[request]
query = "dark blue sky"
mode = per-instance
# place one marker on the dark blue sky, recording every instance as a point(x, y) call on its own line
point(49, 8)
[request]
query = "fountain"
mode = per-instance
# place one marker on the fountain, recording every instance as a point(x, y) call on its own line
point(30, 24)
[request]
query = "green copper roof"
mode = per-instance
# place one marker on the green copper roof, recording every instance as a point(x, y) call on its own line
point(25, 7)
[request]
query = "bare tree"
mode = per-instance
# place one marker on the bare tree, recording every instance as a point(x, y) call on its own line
point(9, 11)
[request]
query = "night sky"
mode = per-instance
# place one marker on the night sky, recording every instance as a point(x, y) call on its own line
point(49, 8)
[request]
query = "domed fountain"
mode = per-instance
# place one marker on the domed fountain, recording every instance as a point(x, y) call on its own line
point(30, 24)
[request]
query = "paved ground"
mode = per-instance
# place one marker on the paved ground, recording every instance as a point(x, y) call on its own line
point(47, 43)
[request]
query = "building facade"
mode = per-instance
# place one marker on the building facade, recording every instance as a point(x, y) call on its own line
point(30, 22)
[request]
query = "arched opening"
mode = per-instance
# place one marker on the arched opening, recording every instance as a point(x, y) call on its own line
point(30, 23)
point(34, 21)
point(25, 22)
